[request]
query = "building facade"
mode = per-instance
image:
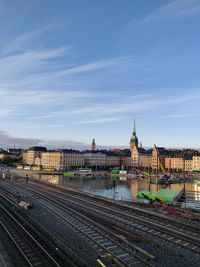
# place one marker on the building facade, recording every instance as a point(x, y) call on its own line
point(112, 161)
point(94, 159)
point(134, 148)
point(6, 155)
point(145, 160)
point(196, 163)
point(188, 165)
point(62, 160)
point(72, 159)
point(174, 163)
point(51, 159)
point(32, 154)
point(158, 158)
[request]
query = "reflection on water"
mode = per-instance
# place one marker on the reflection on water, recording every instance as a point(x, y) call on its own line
point(115, 187)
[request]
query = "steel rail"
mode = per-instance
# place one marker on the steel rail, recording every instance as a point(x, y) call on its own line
point(107, 251)
point(51, 236)
point(142, 219)
point(17, 225)
point(15, 243)
point(162, 228)
point(94, 199)
point(75, 223)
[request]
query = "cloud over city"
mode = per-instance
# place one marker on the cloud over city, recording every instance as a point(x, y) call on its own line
point(8, 141)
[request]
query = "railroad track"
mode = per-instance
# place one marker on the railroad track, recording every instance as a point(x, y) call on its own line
point(32, 253)
point(109, 245)
point(63, 254)
point(179, 233)
point(136, 211)
point(126, 208)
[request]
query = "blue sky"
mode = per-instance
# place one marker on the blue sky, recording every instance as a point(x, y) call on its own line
point(75, 70)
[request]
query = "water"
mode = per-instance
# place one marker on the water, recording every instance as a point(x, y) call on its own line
point(119, 188)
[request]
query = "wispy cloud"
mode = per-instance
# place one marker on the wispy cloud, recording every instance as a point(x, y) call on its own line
point(181, 115)
point(175, 9)
point(34, 78)
point(100, 120)
point(25, 41)
point(130, 104)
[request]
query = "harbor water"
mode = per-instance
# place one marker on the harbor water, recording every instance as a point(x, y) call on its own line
point(121, 188)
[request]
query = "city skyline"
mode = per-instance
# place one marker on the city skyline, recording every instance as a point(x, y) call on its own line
point(82, 71)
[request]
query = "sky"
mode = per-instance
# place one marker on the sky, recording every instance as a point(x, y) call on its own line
point(73, 70)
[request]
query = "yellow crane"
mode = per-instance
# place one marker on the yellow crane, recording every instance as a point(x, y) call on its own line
point(162, 168)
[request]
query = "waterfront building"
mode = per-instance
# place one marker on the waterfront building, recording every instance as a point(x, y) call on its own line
point(112, 160)
point(188, 165)
point(139, 156)
point(6, 155)
point(62, 159)
point(134, 148)
point(51, 159)
point(94, 159)
point(15, 151)
point(38, 161)
point(126, 162)
point(72, 159)
point(32, 153)
point(196, 163)
point(145, 158)
point(158, 158)
point(174, 163)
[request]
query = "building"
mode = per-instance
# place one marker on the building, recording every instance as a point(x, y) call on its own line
point(93, 145)
point(126, 162)
point(125, 159)
point(16, 151)
point(112, 159)
point(134, 148)
point(158, 158)
point(188, 165)
point(196, 163)
point(94, 159)
point(62, 159)
point(51, 159)
point(174, 163)
point(145, 158)
point(72, 159)
point(6, 155)
point(32, 154)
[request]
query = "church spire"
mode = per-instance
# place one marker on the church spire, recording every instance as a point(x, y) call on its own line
point(134, 126)
point(134, 139)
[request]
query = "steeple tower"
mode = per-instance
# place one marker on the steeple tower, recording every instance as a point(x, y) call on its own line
point(134, 147)
point(93, 145)
point(134, 139)
point(134, 126)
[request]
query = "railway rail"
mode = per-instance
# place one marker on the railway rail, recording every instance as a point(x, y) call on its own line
point(32, 253)
point(63, 254)
point(130, 219)
point(124, 207)
point(109, 245)
point(179, 233)
point(136, 211)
